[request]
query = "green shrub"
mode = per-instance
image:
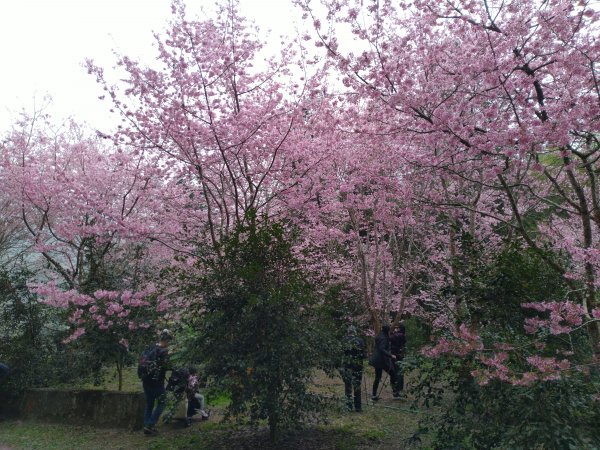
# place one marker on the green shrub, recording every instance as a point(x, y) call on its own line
point(31, 336)
point(258, 331)
point(552, 414)
point(558, 414)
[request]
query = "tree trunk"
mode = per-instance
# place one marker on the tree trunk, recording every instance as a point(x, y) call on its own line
point(120, 373)
point(273, 417)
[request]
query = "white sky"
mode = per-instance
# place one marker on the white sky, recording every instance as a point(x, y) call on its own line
point(43, 44)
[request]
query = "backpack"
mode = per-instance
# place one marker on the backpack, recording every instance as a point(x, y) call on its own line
point(149, 364)
point(354, 350)
point(178, 381)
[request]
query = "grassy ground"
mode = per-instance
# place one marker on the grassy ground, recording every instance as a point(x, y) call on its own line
point(385, 425)
point(131, 382)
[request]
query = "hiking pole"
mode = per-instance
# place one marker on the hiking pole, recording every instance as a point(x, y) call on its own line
point(365, 389)
point(383, 384)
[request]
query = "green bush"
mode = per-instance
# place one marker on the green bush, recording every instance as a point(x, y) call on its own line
point(258, 332)
point(31, 336)
point(548, 414)
point(559, 414)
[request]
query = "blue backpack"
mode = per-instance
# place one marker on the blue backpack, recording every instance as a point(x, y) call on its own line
point(149, 364)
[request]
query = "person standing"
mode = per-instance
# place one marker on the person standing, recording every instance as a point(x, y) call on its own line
point(152, 369)
point(398, 347)
point(383, 360)
point(352, 368)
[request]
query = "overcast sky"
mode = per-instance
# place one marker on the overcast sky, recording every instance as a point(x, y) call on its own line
point(43, 44)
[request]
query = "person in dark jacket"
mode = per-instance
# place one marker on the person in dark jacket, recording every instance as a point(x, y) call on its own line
point(398, 346)
point(352, 368)
point(154, 386)
point(382, 359)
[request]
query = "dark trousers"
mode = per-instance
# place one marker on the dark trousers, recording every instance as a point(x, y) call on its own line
point(399, 376)
point(154, 394)
point(352, 380)
point(195, 404)
point(392, 373)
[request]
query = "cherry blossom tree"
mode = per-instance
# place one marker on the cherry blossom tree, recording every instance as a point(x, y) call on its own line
point(496, 105)
point(433, 136)
point(89, 212)
point(227, 123)
point(355, 215)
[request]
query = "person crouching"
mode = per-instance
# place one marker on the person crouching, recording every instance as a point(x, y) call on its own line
point(194, 398)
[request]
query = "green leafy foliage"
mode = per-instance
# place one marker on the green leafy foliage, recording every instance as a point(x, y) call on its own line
point(518, 275)
point(551, 414)
point(31, 336)
point(258, 332)
point(544, 414)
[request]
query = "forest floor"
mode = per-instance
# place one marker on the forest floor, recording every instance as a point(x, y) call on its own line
point(387, 424)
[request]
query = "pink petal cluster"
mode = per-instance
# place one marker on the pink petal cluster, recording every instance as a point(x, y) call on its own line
point(563, 317)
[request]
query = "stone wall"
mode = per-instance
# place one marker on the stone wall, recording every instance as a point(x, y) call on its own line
point(79, 407)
